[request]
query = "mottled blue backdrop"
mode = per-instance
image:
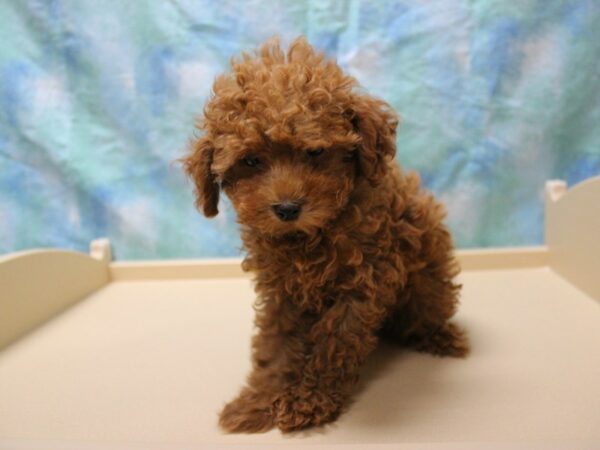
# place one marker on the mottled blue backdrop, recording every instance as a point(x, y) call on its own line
point(97, 100)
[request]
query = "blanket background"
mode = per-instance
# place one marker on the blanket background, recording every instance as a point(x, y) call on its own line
point(97, 100)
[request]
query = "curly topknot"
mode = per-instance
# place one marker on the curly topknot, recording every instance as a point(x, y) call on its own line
point(299, 99)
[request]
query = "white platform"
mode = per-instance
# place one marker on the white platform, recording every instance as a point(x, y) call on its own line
point(147, 362)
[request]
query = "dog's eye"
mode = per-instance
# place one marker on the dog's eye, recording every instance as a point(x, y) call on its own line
point(315, 152)
point(251, 161)
point(349, 156)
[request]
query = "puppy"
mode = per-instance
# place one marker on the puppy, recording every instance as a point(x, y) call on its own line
point(345, 248)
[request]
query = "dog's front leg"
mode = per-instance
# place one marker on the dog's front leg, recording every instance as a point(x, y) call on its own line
point(252, 410)
point(340, 342)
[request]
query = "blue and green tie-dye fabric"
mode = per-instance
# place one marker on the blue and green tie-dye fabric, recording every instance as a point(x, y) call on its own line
point(97, 100)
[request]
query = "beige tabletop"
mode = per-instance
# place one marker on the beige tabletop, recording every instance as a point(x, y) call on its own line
point(148, 364)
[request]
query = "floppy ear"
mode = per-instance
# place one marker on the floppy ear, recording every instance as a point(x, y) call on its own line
point(197, 166)
point(376, 123)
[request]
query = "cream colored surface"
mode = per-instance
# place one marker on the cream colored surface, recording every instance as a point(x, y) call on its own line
point(573, 232)
point(473, 259)
point(148, 360)
point(503, 258)
point(36, 285)
point(177, 269)
point(154, 361)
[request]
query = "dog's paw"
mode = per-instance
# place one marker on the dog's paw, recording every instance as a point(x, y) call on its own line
point(449, 340)
point(294, 411)
point(247, 414)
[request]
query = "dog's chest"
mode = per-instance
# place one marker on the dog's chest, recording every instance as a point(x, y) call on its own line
point(327, 273)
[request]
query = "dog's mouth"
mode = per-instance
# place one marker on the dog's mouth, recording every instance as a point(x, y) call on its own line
point(290, 231)
point(286, 219)
point(294, 240)
point(294, 237)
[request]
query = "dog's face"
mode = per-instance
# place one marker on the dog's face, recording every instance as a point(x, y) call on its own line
point(287, 140)
point(277, 188)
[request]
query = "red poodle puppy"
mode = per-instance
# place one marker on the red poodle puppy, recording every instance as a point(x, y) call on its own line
point(345, 248)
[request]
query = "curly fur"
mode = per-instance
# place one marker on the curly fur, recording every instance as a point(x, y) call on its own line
point(368, 257)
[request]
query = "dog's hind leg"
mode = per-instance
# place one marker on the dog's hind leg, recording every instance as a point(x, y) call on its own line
point(421, 317)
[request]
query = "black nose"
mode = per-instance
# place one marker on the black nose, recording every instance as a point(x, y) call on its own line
point(287, 211)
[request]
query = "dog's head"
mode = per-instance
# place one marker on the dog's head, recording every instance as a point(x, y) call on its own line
point(287, 139)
